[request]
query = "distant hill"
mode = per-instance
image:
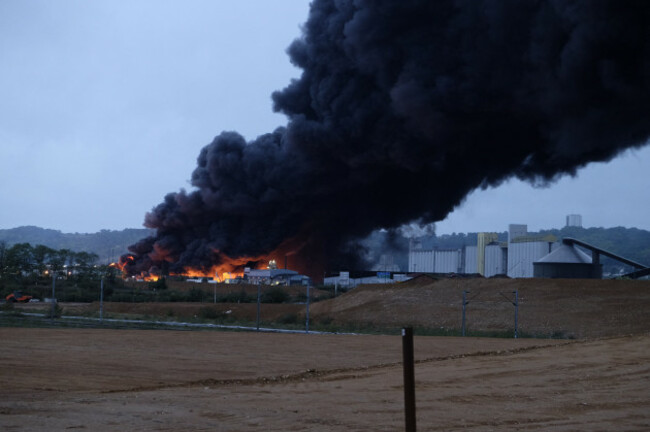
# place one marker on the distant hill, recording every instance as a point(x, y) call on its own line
point(631, 243)
point(107, 244)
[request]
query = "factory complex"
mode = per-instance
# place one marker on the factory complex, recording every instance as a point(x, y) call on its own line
point(522, 256)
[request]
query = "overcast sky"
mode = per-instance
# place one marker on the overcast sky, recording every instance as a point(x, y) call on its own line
point(105, 105)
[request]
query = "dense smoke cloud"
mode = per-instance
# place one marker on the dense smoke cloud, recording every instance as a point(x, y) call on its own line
point(402, 109)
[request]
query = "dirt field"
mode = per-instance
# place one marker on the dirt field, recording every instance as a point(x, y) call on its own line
point(139, 380)
point(152, 380)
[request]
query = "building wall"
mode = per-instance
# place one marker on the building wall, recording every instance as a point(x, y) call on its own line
point(516, 230)
point(495, 260)
point(435, 261)
point(483, 240)
point(447, 261)
point(522, 255)
point(574, 220)
point(421, 261)
point(471, 254)
point(568, 270)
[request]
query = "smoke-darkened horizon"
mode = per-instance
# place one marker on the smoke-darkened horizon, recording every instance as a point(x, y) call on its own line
point(402, 109)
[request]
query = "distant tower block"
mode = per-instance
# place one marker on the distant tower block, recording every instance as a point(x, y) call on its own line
point(574, 220)
point(516, 230)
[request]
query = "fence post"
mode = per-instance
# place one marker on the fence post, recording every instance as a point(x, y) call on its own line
point(259, 300)
point(409, 378)
point(53, 295)
point(516, 293)
point(465, 302)
point(101, 301)
point(307, 313)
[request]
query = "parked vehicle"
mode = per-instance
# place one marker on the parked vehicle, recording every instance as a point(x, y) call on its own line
point(19, 297)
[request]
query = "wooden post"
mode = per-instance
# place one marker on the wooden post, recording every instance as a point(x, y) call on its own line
point(409, 378)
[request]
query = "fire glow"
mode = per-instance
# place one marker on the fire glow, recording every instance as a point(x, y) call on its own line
point(229, 269)
point(296, 251)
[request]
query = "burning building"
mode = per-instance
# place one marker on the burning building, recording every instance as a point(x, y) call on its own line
point(401, 110)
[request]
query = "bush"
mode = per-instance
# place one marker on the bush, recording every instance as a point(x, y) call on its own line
point(7, 307)
point(275, 295)
point(240, 297)
point(58, 310)
point(160, 284)
point(326, 320)
point(208, 313)
point(291, 318)
point(195, 295)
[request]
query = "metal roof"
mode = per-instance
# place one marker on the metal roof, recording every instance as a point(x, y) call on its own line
point(566, 254)
point(271, 273)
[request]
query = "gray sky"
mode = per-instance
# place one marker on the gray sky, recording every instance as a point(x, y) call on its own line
point(104, 106)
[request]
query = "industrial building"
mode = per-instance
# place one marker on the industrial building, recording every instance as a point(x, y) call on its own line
point(275, 276)
point(346, 279)
point(522, 256)
point(574, 220)
point(488, 257)
point(567, 261)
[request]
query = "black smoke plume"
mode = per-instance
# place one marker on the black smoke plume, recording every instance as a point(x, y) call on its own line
point(404, 107)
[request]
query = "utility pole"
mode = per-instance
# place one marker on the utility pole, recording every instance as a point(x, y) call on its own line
point(101, 301)
point(465, 303)
point(516, 304)
point(307, 313)
point(53, 295)
point(259, 299)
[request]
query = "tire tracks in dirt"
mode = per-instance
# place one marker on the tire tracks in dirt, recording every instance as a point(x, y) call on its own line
point(315, 375)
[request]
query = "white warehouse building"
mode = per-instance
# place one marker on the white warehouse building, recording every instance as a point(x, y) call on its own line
point(488, 257)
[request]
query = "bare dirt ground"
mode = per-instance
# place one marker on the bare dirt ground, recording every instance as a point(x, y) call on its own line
point(573, 308)
point(152, 380)
point(139, 380)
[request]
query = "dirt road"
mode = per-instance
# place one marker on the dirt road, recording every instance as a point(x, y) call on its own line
point(116, 380)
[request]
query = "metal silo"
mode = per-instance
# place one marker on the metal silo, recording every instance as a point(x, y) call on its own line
point(567, 261)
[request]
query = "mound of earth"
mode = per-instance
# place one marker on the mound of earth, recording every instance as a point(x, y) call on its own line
point(547, 307)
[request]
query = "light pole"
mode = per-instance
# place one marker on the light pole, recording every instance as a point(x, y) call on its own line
point(53, 295)
point(101, 301)
point(307, 313)
point(465, 303)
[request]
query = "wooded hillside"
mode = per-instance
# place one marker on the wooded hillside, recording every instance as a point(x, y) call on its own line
point(107, 244)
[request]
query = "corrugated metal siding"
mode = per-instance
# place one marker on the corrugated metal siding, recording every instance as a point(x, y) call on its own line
point(421, 261)
point(447, 261)
point(471, 265)
point(522, 255)
point(494, 260)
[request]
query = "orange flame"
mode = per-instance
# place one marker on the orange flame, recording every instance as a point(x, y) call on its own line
point(229, 268)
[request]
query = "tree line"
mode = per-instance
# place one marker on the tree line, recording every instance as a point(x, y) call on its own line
point(23, 259)
point(107, 244)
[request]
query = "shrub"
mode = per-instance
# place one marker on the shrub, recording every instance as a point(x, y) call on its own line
point(160, 284)
point(326, 320)
point(291, 318)
point(240, 297)
point(208, 313)
point(7, 307)
point(275, 295)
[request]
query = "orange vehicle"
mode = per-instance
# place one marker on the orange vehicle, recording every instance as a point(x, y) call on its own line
point(19, 297)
